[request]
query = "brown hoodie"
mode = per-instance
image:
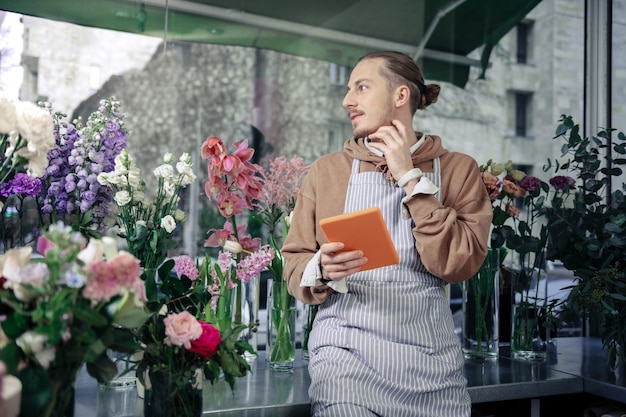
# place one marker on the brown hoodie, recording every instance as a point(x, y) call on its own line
point(451, 238)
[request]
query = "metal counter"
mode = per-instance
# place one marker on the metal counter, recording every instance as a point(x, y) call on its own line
point(574, 365)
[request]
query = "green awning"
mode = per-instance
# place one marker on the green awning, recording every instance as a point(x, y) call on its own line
point(438, 33)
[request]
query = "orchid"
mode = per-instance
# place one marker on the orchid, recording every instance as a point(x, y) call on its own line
point(234, 186)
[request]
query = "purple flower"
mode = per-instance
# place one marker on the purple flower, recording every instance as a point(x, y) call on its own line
point(530, 183)
point(80, 154)
point(562, 182)
point(21, 184)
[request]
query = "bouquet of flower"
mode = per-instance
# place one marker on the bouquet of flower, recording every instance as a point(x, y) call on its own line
point(176, 343)
point(71, 192)
point(233, 185)
point(63, 309)
point(26, 135)
point(527, 236)
point(148, 225)
point(281, 183)
point(588, 230)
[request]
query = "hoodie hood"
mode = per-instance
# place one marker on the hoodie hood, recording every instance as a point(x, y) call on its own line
point(429, 150)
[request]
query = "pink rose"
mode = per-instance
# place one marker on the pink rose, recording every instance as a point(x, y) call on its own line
point(511, 210)
point(492, 184)
point(206, 345)
point(181, 329)
point(512, 189)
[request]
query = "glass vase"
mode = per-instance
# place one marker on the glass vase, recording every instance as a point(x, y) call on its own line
point(480, 310)
point(309, 317)
point(281, 326)
point(245, 310)
point(528, 309)
point(173, 393)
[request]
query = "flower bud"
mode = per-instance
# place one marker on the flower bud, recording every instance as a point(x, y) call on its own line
point(232, 246)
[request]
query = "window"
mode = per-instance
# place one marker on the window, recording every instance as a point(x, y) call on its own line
point(523, 42)
point(339, 74)
point(522, 104)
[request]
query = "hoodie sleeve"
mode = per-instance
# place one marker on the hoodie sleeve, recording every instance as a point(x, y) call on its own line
point(452, 237)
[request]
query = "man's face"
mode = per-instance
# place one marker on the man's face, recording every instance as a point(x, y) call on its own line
point(368, 100)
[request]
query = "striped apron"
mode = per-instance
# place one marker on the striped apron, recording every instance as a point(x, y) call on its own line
point(387, 347)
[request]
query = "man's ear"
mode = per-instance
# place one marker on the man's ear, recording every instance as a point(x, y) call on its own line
point(402, 96)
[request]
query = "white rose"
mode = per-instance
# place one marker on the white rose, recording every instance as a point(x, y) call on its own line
point(169, 188)
point(164, 171)
point(37, 164)
point(122, 197)
point(168, 223)
point(12, 262)
point(140, 197)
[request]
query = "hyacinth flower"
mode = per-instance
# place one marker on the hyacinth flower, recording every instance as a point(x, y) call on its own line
point(71, 190)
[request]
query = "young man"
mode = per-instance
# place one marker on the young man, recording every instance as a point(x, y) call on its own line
point(383, 342)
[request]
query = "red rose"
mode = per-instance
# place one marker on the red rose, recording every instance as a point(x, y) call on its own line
point(206, 345)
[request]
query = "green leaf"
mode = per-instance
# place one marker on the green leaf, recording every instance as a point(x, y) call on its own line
point(36, 390)
point(10, 355)
point(103, 368)
point(14, 325)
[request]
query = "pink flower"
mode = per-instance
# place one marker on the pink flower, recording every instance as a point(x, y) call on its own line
point(212, 146)
point(126, 269)
point(251, 266)
point(44, 245)
point(184, 265)
point(206, 345)
point(511, 210)
point(492, 183)
point(102, 283)
point(181, 329)
point(512, 189)
point(231, 204)
point(281, 182)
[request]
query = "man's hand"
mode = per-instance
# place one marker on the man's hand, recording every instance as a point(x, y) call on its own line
point(395, 142)
point(337, 265)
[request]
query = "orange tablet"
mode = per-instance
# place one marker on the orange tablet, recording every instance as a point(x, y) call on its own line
point(363, 230)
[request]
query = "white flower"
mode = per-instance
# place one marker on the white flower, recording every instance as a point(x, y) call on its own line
point(12, 262)
point(31, 341)
point(134, 177)
point(164, 171)
point(168, 158)
point(94, 252)
point(169, 188)
point(37, 126)
point(187, 176)
point(186, 158)
point(232, 246)
point(140, 197)
point(122, 197)
point(8, 116)
point(45, 357)
point(141, 223)
point(179, 215)
point(29, 276)
point(168, 223)
point(109, 244)
point(288, 219)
